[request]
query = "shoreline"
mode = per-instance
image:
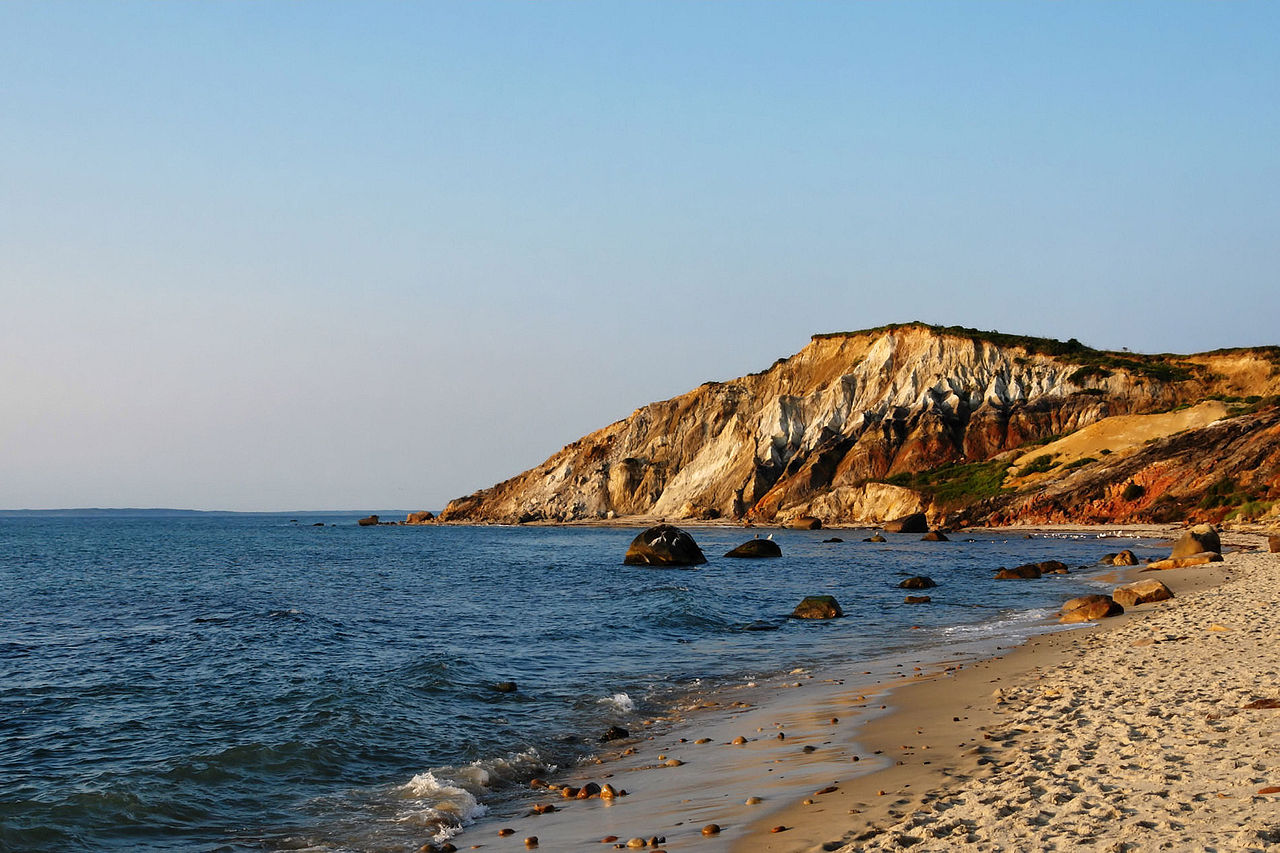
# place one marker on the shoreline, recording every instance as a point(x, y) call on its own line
point(843, 731)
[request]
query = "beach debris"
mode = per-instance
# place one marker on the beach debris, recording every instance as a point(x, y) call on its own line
point(1089, 608)
point(756, 548)
point(1198, 540)
point(1218, 627)
point(711, 829)
point(664, 545)
point(1270, 789)
point(918, 582)
point(1258, 704)
point(830, 789)
point(818, 607)
point(1141, 592)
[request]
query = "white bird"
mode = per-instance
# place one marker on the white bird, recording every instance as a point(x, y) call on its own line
point(770, 536)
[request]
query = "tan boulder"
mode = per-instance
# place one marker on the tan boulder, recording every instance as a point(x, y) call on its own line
point(1124, 558)
point(914, 523)
point(420, 517)
point(805, 522)
point(1184, 562)
point(1197, 540)
point(1089, 608)
point(1273, 542)
point(1030, 571)
point(1141, 592)
point(818, 607)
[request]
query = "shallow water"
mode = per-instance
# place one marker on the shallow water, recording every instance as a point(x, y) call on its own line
point(251, 683)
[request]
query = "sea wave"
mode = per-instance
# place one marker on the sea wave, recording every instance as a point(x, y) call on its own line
point(619, 702)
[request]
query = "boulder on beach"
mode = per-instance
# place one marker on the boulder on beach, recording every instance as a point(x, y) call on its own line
point(420, 517)
point(1089, 608)
point(1202, 559)
point(1273, 542)
point(664, 545)
point(1141, 592)
point(805, 522)
point(917, 582)
point(368, 521)
point(934, 536)
point(818, 607)
point(1052, 567)
point(756, 548)
point(914, 523)
point(1197, 540)
point(1124, 558)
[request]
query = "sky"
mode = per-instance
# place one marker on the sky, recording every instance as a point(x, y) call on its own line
point(350, 255)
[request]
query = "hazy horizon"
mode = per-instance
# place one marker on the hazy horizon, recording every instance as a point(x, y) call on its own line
point(261, 255)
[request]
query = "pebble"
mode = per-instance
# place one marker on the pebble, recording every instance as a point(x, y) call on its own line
point(739, 740)
point(608, 839)
point(503, 833)
point(779, 828)
point(703, 740)
point(672, 762)
point(711, 829)
point(754, 801)
point(531, 841)
point(607, 792)
point(637, 843)
point(808, 801)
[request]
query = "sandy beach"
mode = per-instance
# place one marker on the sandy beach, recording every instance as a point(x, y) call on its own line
point(1129, 735)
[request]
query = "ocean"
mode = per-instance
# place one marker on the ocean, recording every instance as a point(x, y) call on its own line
point(233, 683)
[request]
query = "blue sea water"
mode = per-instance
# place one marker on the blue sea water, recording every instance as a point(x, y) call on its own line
point(229, 683)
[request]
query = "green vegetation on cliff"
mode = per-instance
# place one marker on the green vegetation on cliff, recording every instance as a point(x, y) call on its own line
point(956, 485)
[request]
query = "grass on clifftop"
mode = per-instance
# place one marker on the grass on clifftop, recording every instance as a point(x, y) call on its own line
point(1095, 364)
point(956, 485)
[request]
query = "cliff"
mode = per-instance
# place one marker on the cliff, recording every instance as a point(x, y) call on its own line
point(863, 426)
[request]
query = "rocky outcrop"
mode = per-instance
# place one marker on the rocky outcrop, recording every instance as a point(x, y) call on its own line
point(818, 607)
point(755, 548)
point(664, 545)
point(1198, 540)
point(916, 522)
point(817, 434)
point(420, 517)
point(368, 521)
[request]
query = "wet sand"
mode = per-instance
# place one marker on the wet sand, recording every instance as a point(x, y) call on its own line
point(1077, 748)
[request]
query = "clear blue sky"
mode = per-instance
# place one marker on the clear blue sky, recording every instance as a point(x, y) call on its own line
point(264, 255)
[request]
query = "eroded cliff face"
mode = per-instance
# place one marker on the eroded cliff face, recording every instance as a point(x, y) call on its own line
point(812, 434)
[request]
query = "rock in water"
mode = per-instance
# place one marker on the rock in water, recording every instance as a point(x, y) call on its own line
point(914, 523)
point(934, 536)
point(917, 582)
point(1089, 608)
point(664, 545)
point(1201, 538)
point(805, 522)
point(1141, 592)
point(875, 538)
point(369, 521)
point(1030, 571)
point(420, 517)
point(818, 607)
point(756, 548)
point(1124, 558)
point(917, 599)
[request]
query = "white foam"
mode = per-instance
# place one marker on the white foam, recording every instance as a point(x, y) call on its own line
point(620, 701)
point(444, 807)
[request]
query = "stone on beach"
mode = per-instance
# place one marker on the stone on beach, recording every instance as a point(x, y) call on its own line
point(913, 523)
point(1089, 608)
point(1124, 558)
point(756, 548)
point(818, 607)
point(664, 545)
point(1273, 542)
point(1197, 540)
point(1202, 559)
point(1141, 592)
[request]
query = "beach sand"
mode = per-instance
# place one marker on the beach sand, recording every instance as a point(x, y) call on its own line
point(1129, 735)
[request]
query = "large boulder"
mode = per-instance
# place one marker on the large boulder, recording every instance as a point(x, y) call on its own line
point(1089, 608)
point(1124, 558)
point(1273, 542)
point(664, 545)
point(917, 582)
point(421, 517)
point(1201, 538)
point(756, 548)
point(368, 521)
point(818, 607)
point(934, 536)
point(1141, 592)
point(914, 523)
point(1184, 562)
point(805, 522)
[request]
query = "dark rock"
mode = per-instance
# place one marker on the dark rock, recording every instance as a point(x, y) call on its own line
point(756, 548)
point(805, 522)
point(934, 536)
point(917, 582)
point(917, 599)
point(1053, 567)
point(370, 521)
point(818, 607)
point(1197, 540)
point(914, 523)
point(1030, 571)
point(506, 687)
point(614, 733)
point(420, 517)
point(831, 540)
point(664, 545)
point(318, 524)
point(876, 538)
point(1090, 608)
point(760, 625)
